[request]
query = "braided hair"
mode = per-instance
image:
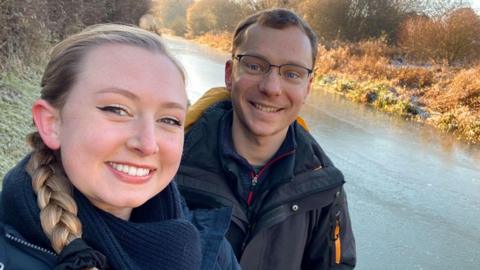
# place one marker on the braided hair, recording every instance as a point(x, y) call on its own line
point(58, 210)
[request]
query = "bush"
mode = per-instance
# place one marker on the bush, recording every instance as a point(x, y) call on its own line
point(363, 60)
point(222, 41)
point(349, 20)
point(29, 27)
point(462, 90)
point(413, 77)
point(24, 33)
point(215, 16)
point(453, 38)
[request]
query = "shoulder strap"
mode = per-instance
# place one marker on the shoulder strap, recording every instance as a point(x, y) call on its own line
point(210, 97)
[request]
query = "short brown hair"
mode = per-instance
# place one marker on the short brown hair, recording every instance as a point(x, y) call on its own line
point(277, 18)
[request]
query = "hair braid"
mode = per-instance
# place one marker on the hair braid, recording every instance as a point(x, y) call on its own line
point(58, 210)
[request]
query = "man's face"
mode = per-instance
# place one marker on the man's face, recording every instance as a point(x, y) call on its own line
point(266, 104)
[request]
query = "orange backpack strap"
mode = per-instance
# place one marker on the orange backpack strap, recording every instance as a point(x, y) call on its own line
point(302, 123)
point(337, 242)
point(211, 97)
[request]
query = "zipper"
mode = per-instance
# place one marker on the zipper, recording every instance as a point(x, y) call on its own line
point(246, 239)
point(253, 183)
point(252, 186)
point(27, 244)
point(255, 177)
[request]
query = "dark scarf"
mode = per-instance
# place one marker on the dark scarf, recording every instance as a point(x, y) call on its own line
point(156, 237)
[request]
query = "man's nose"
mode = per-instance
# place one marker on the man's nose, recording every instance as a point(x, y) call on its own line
point(271, 83)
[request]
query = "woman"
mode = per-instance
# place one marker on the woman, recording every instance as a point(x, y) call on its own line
point(96, 190)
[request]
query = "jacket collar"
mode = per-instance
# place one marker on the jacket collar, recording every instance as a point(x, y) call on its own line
point(283, 157)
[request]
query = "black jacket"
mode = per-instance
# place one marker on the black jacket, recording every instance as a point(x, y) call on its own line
point(18, 252)
point(295, 225)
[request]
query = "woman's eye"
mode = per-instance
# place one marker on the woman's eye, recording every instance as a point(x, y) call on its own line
point(115, 109)
point(171, 121)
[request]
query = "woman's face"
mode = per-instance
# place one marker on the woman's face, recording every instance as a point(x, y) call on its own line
point(121, 128)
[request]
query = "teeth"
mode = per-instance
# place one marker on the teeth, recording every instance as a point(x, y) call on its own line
point(265, 108)
point(130, 170)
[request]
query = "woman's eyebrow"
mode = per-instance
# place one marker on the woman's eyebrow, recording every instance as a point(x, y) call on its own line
point(120, 91)
point(130, 95)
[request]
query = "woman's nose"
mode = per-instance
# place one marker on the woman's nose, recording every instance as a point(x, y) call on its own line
point(144, 139)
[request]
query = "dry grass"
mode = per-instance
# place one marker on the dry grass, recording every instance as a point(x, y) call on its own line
point(365, 72)
point(462, 90)
point(220, 41)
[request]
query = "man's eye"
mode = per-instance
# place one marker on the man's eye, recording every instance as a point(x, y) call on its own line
point(115, 109)
point(171, 121)
point(254, 67)
point(292, 75)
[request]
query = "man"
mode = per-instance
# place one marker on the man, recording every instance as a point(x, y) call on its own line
point(250, 153)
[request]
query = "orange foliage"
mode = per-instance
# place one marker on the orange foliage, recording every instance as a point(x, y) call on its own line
point(453, 38)
point(222, 41)
point(462, 90)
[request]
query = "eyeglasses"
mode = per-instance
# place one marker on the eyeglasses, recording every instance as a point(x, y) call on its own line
point(255, 65)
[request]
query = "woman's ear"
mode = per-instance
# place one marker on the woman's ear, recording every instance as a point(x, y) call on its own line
point(47, 121)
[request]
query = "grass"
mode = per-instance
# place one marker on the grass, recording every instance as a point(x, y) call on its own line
point(220, 41)
point(18, 90)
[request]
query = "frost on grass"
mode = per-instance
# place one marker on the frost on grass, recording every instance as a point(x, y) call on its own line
point(16, 97)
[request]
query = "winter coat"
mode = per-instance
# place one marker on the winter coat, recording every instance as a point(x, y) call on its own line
point(17, 252)
point(301, 223)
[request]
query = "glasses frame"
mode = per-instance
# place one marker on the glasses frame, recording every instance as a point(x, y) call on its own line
point(270, 65)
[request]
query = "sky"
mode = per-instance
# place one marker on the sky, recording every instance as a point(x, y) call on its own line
point(476, 5)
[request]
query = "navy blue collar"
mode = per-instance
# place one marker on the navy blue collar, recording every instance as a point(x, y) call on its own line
point(228, 149)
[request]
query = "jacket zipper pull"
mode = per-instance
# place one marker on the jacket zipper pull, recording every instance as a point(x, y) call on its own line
point(255, 180)
point(250, 194)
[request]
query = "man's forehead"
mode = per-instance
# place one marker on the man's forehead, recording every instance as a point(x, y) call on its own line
point(288, 42)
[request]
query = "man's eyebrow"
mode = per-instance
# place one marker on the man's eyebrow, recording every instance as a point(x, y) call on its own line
point(264, 58)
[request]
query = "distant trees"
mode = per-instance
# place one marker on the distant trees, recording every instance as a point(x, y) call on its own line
point(353, 20)
point(171, 14)
point(439, 30)
point(28, 27)
point(451, 38)
point(329, 18)
point(215, 16)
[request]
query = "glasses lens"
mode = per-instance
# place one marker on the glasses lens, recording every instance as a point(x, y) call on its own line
point(254, 65)
point(293, 73)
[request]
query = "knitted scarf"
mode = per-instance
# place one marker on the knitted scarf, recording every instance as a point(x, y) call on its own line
point(156, 237)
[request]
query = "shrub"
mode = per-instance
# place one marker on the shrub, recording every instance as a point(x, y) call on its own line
point(222, 41)
point(413, 77)
point(453, 38)
point(462, 90)
point(24, 33)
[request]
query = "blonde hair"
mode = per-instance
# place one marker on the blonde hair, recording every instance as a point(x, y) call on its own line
point(58, 210)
